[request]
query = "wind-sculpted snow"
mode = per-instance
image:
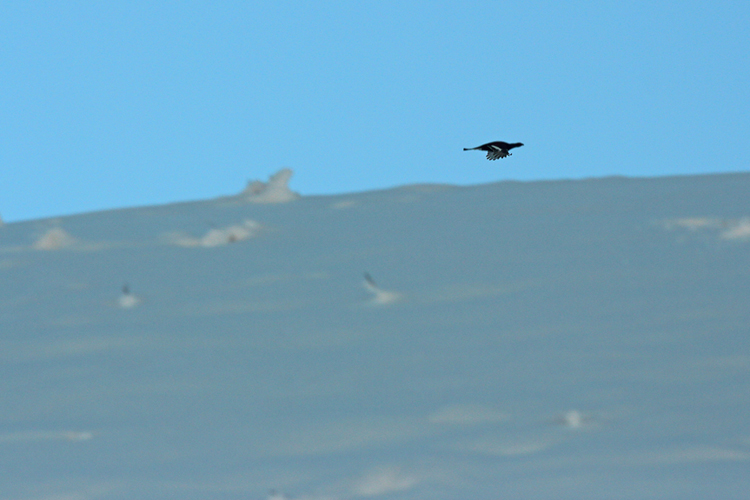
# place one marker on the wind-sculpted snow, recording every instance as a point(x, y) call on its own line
point(380, 297)
point(276, 190)
point(55, 239)
point(727, 229)
point(128, 299)
point(545, 340)
point(383, 481)
point(738, 230)
point(32, 436)
point(216, 236)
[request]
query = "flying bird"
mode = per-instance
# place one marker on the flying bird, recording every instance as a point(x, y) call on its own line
point(497, 149)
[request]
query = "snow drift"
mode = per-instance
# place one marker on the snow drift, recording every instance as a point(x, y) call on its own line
point(543, 340)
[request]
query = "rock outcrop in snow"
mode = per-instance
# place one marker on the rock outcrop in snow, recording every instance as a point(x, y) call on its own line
point(276, 190)
point(127, 299)
point(738, 230)
point(218, 236)
point(380, 297)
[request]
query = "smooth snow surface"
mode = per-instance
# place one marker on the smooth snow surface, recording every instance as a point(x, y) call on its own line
point(547, 340)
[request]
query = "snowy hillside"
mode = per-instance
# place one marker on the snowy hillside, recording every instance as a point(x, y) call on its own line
point(546, 340)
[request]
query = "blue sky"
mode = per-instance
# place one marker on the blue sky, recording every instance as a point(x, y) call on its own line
point(116, 104)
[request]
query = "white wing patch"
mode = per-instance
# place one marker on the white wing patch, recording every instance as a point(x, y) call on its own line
point(496, 153)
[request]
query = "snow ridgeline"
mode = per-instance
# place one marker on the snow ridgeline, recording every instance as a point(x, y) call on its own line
point(276, 190)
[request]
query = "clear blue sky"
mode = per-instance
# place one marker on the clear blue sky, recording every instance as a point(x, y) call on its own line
point(117, 104)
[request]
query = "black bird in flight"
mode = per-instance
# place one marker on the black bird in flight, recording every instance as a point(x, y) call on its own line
point(497, 149)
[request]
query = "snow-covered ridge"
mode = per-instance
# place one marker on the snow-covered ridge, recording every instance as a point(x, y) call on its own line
point(512, 340)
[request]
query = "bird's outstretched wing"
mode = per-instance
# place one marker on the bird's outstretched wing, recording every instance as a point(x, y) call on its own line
point(496, 152)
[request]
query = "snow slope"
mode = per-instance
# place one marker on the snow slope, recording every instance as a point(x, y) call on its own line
point(546, 340)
